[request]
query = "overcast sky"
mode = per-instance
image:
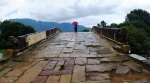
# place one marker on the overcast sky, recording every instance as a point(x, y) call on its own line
point(86, 12)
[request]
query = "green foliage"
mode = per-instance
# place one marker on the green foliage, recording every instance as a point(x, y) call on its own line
point(85, 30)
point(138, 31)
point(138, 24)
point(138, 40)
point(114, 25)
point(139, 14)
point(98, 25)
point(15, 29)
point(103, 23)
point(3, 51)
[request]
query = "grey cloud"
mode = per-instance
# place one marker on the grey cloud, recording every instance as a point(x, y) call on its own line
point(69, 10)
point(3, 3)
point(77, 11)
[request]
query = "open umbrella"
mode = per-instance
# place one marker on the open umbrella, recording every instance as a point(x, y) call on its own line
point(75, 23)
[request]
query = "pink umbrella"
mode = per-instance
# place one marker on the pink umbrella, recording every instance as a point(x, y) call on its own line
point(75, 23)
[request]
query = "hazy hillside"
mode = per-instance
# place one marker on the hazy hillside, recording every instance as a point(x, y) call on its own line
point(41, 26)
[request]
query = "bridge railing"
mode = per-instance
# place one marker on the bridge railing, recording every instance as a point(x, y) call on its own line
point(110, 33)
point(117, 35)
point(28, 40)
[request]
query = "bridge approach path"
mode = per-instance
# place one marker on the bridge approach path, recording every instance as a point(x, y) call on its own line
point(73, 58)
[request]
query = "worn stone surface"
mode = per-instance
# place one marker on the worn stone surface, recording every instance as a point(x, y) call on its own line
point(53, 79)
point(96, 68)
point(48, 73)
point(32, 73)
point(110, 66)
point(93, 61)
point(65, 79)
point(72, 58)
point(57, 68)
point(61, 62)
point(67, 50)
point(103, 50)
point(80, 61)
point(133, 66)
point(144, 80)
point(1, 67)
point(18, 71)
point(5, 71)
point(78, 74)
point(63, 67)
point(89, 55)
point(40, 79)
point(118, 58)
point(102, 81)
point(93, 53)
point(69, 62)
point(98, 76)
point(50, 65)
point(8, 79)
point(122, 69)
point(64, 55)
point(82, 51)
point(106, 55)
point(79, 47)
point(52, 55)
point(70, 44)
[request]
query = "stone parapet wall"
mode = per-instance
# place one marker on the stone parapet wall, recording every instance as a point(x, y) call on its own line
point(33, 38)
point(114, 35)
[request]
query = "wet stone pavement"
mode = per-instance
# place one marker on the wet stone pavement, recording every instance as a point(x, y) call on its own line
point(73, 58)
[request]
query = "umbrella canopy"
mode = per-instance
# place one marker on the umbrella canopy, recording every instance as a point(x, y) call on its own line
point(75, 23)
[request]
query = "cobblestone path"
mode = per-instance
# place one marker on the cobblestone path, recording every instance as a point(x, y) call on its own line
point(73, 58)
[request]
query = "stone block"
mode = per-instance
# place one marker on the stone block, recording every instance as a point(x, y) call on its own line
point(65, 79)
point(80, 61)
point(40, 79)
point(53, 79)
point(125, 48)
point(78, 74)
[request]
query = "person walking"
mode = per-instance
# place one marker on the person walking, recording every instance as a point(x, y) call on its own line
point(75, 26)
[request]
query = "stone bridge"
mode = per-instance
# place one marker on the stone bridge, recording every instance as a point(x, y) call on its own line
point(69, 57)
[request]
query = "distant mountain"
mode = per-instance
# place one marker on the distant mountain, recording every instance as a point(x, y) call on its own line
point(42, 26)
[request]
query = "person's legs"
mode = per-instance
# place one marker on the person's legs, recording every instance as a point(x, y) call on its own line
point(75, 29)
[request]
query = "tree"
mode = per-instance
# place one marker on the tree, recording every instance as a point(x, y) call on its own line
point(15, 29)
point(139, 14)
point(114, 25)
point(85, 30)
point(103, 23)
point(138, 28)
point(138, 40)
point(98, 25)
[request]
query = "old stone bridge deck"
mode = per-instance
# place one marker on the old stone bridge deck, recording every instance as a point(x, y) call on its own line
point(73, 58)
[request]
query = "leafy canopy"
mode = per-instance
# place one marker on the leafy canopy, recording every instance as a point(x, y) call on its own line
point(138, 31)
point(85, 30)
point(15, 29)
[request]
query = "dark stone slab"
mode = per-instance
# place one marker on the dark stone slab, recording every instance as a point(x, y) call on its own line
point(122, 69)
point(118, 58)
point(133, 66)
point(98, 76)
point(96, 68)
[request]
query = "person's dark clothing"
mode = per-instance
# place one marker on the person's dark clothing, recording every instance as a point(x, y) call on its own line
point(75, 28)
